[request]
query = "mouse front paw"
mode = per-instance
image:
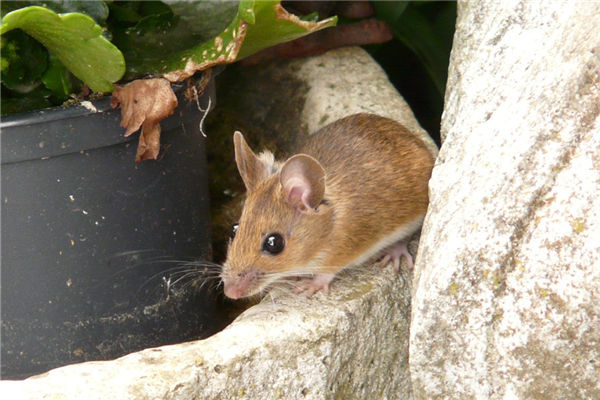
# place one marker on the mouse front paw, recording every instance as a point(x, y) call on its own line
point(394, 253)
point(309, 287)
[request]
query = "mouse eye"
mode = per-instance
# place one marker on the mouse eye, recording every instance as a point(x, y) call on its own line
point(234, 229)
point(273, 243)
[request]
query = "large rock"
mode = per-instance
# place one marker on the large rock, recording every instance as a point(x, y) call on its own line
point(507, 291)
point(352, 344)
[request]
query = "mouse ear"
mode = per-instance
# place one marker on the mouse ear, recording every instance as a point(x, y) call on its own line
point(303, 181)
point(251, 168)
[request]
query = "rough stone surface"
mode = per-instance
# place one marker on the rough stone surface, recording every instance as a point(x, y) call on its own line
point(351, 344)
point(348, 345)
point(347, 81)
point(507, 287)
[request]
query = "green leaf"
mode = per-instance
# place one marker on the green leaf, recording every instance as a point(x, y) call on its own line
point(148, 8)
point(97, 10)
point(156, 23)
point(75, 40)
point(8, 6)
point(206, 19)
point(425, 28)
point(389, 11)
point(58, 79)
point(257, 25)
point(274, 25)
point(124, 13)
point(24, 60)
point(312, 17)
point(159, 32)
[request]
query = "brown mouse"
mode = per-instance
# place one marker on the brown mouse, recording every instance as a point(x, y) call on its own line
point(356, 189)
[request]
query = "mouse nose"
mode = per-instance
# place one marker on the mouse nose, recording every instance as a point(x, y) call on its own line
point(240, 284)
point(233, 292)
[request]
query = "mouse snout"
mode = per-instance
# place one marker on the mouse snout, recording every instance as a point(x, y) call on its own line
point(239, 284)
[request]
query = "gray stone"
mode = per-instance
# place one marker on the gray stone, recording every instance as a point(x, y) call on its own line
point(347, 345)
point(507, 287)
point(351, 344)
point(347, 81)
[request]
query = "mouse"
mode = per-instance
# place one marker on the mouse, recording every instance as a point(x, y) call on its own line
point(354, 190)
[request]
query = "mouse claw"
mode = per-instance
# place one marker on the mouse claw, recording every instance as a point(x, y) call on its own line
point(319, 282)
point(394, 253)
point(385, 260)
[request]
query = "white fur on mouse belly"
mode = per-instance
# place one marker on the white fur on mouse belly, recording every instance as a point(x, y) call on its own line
point(401, 233)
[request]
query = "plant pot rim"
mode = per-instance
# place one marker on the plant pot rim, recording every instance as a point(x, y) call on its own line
point(62, 130)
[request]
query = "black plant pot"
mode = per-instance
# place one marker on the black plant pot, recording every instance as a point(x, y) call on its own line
point(87, 235)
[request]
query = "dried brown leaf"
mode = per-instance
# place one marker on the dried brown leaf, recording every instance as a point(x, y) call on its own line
point(145, 102)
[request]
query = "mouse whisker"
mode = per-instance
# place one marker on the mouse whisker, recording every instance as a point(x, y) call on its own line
point(184, 269)
point(182, 277)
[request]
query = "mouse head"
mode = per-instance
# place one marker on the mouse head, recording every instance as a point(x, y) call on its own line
point(284, 222)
